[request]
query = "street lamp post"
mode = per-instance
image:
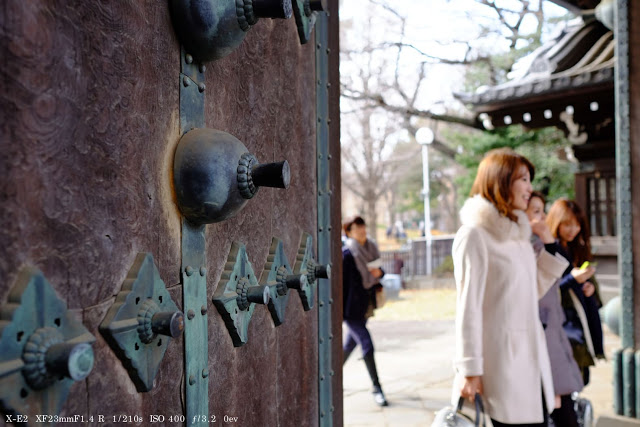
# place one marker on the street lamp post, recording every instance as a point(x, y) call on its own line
point(425, 136)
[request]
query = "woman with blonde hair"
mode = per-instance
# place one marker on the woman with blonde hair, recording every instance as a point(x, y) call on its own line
point(501, 350)
point(580, 297)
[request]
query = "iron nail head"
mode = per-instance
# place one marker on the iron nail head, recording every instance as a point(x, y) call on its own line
point(188, 58)
point(191, 314)
point(185, 81)
point(201, 87)
point(205, 373)
point(189, 270)
point(203, 271)
point(192, 380)
point(203, 310)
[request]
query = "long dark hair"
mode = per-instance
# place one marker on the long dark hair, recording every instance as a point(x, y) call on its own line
point(564, 210)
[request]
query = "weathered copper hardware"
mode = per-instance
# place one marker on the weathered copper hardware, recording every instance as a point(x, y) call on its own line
point(43, 349)
point(305, 12)
point(305, 264)
point(214, 175)
point(137, 323)
point(212, 29)
point(277, 275)
point(237, 294)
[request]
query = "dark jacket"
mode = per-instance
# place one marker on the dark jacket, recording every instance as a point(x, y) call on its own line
point(572, 326)
point(355, 298)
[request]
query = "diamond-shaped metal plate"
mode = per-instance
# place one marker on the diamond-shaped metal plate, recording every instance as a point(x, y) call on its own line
point(304, 260)
point(275, 260)
point(225, 297)
point(121, 326)
point(33, 305)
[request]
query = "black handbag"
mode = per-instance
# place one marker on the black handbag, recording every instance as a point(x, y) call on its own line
point(453, 417)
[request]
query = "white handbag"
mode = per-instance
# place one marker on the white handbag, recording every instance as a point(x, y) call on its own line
point(453, 417)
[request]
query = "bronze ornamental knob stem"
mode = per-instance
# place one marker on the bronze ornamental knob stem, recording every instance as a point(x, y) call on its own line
point(258, 294)
point(72, 360)
point(276, 175)
point(296, 281)
point(168, 323)
point(323, 271)
point(281, 9)
point(318, 5)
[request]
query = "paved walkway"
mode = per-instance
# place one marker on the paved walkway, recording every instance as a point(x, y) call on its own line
point(414, 365)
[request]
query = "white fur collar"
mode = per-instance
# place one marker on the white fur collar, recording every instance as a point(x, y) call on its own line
point(478, 211)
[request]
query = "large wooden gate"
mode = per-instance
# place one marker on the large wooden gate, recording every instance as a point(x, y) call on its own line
point(91, 102)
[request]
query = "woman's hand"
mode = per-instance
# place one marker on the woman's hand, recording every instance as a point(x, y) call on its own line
point(470, 387)
point(558, 402)
point(588, 289)
point(540, 229)
point(376, 272)
point(582, 275)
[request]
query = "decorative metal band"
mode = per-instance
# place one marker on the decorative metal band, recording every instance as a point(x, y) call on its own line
point(145, 315)
point(244, 12)
point(325, 363)
point(242, 288)
point(35, 368)
point(623, 174)
point(245, 181)
point(281, 278)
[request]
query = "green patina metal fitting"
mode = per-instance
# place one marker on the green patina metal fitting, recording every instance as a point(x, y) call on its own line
point(305, 18)
point(275, 274)
point(139, 324)
point(237, 294)
point(305, 265)
point(43, 349)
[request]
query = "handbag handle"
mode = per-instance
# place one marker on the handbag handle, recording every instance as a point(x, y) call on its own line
point(479, 410)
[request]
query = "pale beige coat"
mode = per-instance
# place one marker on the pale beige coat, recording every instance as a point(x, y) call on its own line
point(498, 331)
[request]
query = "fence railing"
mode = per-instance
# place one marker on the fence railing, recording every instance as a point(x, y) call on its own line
point(413, 258)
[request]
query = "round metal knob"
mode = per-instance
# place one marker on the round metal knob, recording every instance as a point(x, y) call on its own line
point(248, 294)
point(168, 323)
point(272, 8)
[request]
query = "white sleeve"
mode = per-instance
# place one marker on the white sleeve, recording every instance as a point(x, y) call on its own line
point(470, 261)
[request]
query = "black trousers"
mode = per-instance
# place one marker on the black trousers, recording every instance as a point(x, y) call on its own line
point(565, 415)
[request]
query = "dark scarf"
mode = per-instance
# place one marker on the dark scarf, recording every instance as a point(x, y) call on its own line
point(362, 255)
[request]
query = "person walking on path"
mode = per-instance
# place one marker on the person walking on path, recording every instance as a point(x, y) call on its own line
point(567, 377)
point(359, 282)
point(580, 296)
point(501, 350)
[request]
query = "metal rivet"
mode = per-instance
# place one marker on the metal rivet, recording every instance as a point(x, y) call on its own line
point(328, 84)
point(332, 408)
point(192, 380)
point(322, 414)
point(202, 68)
point(329, 228)
point(330, 336)
point(328, 156)
point(318, 45)
point(319, 119)
point(321, 303)
point(191, 314)
point(319, 82)
point(321, 340)
point(320, 229)
point(320, 192)
point(330, 192)
point(332, 373)
point(319, 156)
point(331, 301)
point(203, 271)
point(328, 51)
point(201, 87)
point(203, 310)
point(321, 377)
point(328, 121)
point(205, 373)
point(188, 58)
point(189, 270)
point(185, 81)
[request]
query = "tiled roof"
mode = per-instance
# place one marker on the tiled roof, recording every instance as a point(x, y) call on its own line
point(581, 56)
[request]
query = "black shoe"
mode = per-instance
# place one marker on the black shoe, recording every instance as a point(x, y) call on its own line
point(378, 397)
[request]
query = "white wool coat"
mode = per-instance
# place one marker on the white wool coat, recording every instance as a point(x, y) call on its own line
point(499, 335)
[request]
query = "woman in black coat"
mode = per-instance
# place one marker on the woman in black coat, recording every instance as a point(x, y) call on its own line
point(358, 289)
